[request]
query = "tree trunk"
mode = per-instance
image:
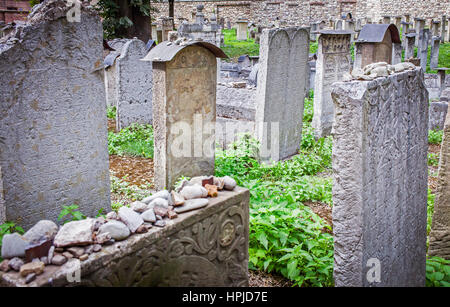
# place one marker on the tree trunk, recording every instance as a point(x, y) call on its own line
point(141, 27)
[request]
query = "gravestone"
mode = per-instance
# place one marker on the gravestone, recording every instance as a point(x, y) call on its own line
point(443, 28)
point(434, 58)
point(375, 44)
point(410, 42)
point(386, 19)
point(437, 114)
point(422, 49)
point(207, 247)
point(281, 90)
point(52, 116)
point(184, 109)
point(2, 197)
point(405, 31)
point(133, 85)
point(380, 143)
point(419, 26)
point(241, 34)
point(440, 228)
point(333, 60)
point(154, 29)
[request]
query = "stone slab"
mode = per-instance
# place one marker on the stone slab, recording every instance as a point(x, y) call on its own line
point(134, 85)
point(440, 228)
point(281, 90)
point(205, 247)
point(380, 143)
point(53, 111)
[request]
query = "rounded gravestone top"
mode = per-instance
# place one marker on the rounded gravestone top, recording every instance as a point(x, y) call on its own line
point(200, 7)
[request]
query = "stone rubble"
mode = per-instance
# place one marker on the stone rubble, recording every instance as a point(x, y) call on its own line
point(53, 245)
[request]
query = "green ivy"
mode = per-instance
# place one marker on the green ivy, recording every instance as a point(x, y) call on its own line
point(438, 272)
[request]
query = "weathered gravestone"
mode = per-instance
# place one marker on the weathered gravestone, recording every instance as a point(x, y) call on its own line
point(434, 58)
point(333, 60)
point(281, 90)
point(133, 85)
point(201, 248)
point(409, 48)
point(241, 34)
point(422, 49)
point(419, 25)
point(52, 116)
point(375, 44)
point(437, 114)
point(380, 142)
point(440, 227)
point(184, 109)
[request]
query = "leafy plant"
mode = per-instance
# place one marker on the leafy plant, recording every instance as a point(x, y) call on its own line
point(433, 159)
point(435, 136)
point(438, 272)
point(135, 140)
point(7, 228)
point(111, 112)
point(70, 213)
point(128, 190)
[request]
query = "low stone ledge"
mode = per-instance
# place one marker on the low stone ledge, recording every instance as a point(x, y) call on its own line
point(206, 247)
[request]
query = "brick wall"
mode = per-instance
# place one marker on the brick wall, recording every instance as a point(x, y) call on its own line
point(12, 10)
point(301, 12)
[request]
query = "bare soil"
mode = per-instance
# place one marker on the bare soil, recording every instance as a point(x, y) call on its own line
point(134, 170)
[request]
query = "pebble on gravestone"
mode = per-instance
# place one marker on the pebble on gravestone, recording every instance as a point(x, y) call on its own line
point(117, 230)
point(192, 204)
point(36, 267)
point(43, 230)
point(15, 263)
point(75, 233)
point(38, 250)
point(161, 194)
point(59, 259)
point(132, 219)
point(14, 245)
point(149, 216)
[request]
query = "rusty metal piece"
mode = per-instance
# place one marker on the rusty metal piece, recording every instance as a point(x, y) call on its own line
point(38, 250)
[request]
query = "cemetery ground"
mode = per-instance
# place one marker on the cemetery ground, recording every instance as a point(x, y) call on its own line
point(291, 241)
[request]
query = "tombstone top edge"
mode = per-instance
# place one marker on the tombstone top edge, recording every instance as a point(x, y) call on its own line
point(166, 51)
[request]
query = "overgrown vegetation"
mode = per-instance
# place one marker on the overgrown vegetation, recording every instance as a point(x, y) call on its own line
point(234, 48)
point(435, 136)
point(135, 140)
point(285, 235)
point(438, 272)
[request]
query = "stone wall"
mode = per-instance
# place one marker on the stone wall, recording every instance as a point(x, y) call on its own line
point(300, 12)
point(52, 116)
point(205, 247)
point(380, 143)
point(440, 228)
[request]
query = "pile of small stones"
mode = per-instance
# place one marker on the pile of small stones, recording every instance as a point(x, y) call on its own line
point(376, 70)
point(49, 244)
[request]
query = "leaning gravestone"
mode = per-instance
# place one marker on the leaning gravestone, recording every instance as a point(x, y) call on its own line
point(52, 116)
point(380, 142)
point(184, 109)
point(440, 228)
point(281, 90)
point(133, 85)
point(333, 60)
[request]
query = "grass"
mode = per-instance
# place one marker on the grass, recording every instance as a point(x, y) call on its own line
point(234, 48)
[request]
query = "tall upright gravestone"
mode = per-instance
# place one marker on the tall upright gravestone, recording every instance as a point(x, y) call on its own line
point(333, 60)
point(281, 90)
point(184, 109)
point(440, 228)
point(133, 85)
point(380, 143)
point(52, 116)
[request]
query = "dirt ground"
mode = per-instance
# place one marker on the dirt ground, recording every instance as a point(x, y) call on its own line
point(134, 170)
